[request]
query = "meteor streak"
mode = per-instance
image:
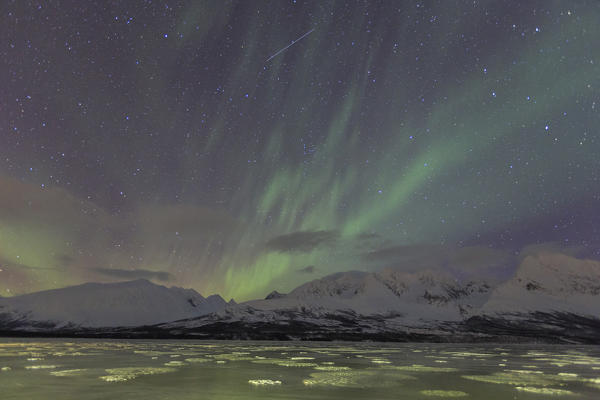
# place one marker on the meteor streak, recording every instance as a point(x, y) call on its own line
point(293, 42)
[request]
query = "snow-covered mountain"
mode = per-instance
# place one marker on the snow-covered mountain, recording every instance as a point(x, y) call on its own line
point(420, 296)
point(550, 297)
point(545, 282)
point(92, 305)
point(549, 282)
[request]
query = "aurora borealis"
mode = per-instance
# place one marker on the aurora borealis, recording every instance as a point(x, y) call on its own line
point(152, 139)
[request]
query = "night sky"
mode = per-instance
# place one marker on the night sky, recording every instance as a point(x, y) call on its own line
point(171, 141)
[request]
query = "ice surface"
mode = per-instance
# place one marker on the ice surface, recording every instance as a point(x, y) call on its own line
point(90, 370)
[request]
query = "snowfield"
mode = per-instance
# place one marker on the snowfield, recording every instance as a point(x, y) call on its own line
point(132, 303)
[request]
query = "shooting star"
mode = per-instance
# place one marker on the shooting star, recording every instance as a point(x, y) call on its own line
point(293, 42)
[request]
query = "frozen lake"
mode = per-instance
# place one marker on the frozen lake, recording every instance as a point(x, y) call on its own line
point(114, 369)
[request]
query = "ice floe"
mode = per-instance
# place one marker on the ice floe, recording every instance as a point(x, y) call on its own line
point(542, 390)
point(264, 382)
point(443, 393)
point(128, 373)
point(68, 372)
point(419, 368)
point(41, 366)
point(514, 378)
point(355, 378)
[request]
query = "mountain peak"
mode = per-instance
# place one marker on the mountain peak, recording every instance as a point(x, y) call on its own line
point(274, 295)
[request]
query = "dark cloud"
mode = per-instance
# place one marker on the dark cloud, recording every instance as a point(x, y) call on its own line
point(135, 274)
point(368, 236)
point(64, 260)
point(309, 269)
point(367, 240)
point(302, 241)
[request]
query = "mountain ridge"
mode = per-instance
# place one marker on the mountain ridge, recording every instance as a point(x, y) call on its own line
point(550, 297)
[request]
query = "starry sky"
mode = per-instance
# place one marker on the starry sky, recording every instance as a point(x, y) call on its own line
point(237, 147)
